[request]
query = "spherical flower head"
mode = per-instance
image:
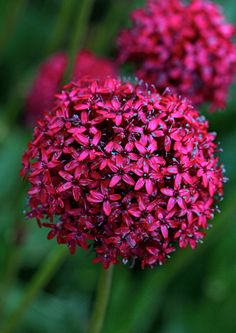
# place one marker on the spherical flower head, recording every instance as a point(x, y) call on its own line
point(188, 47)
point(124, 170)
point(50, 76)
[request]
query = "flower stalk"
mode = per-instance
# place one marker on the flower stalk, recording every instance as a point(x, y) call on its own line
point(102, 297)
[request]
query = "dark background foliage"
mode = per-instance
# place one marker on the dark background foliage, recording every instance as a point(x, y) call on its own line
point(194, 292)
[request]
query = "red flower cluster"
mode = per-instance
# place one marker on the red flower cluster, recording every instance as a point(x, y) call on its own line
point(121, 168)
point(50, 76)
point(188, 47)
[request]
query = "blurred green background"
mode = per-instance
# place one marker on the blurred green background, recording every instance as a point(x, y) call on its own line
point(194, 292)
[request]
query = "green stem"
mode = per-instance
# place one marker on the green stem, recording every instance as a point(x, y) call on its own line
point(62, 21)
point(81, 26)
point(41, 278)
point(103, 292)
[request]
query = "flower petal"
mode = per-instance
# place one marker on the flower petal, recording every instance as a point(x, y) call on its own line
point(164, 231)
point(140, 148)
point(149, 186)
point(115, 197)
point(64, 187)
point(76, 193)
point(96, 195)
point(118, 120)
point(128, 179)
point(171, 203)
point(114, 181)
point(178, 180)
point(167, 191)
point(139, 184)
point(107, 207)
point(65, 175)
point(153, 124)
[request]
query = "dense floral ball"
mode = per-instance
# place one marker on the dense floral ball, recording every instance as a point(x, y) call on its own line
point(188, 47)
point(50, 76)
point(122, 169)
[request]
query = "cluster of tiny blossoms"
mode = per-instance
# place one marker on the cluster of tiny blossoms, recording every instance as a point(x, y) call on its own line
point(188, 47)
point(124, 170)
point(50, 75)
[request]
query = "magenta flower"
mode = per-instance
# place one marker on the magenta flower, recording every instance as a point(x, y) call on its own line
point(124, 170)
point(50, 76)
point(188, 47)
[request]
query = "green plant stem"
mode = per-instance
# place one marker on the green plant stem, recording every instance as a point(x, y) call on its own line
point(102, 297)
point(80, 29)
point(62, 21)
point(41, 278)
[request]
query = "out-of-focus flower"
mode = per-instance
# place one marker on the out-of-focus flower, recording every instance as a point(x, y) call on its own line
point(50, 76)
point(188, 47)
point(124, 170)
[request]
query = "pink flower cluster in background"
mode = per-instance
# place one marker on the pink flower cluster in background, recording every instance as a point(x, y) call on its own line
point(123, 169)
point(50, 76)
point(188, 47)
